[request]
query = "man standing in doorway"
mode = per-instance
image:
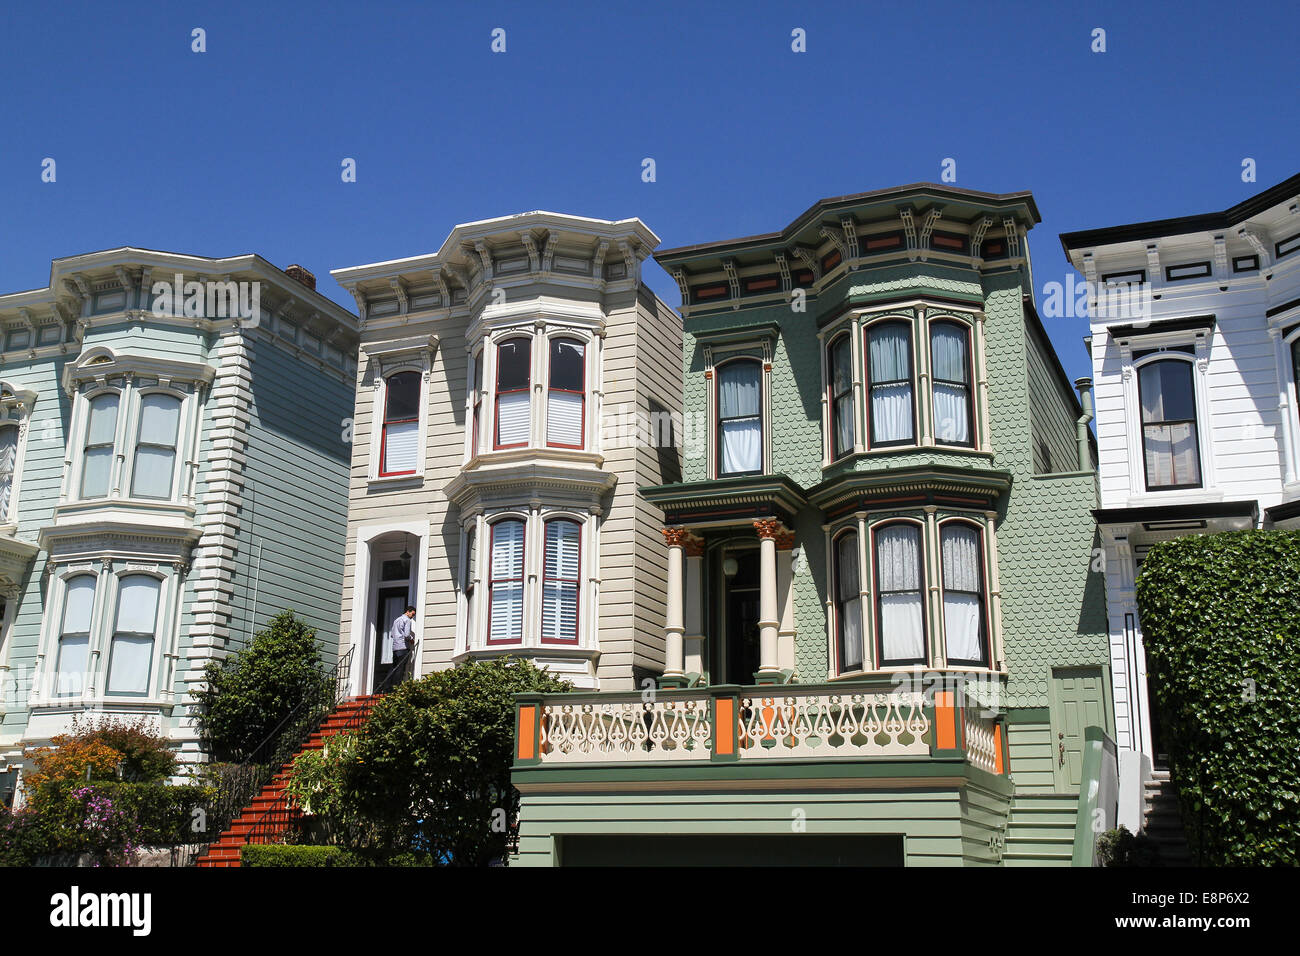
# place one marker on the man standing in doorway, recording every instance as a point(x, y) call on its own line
point(402, 635)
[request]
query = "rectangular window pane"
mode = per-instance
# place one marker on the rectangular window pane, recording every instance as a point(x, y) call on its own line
point(564, 418)
point(400, 447)
point(902, 635)
point(71, 666)
point(739, 390)
point(843, 423)
point(560, 611)
point(151, 476)
point(128, 664)
point(951, 414)
point(137, 604)
point(160, 417)
point(96, 471)
point(961, 621)
point(507, 611)
point(512, 419)
point(103, 420)
point(891, 412)
point(742, 446)
point(851, 652)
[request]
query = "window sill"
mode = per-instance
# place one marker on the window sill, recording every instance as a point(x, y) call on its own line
point(1175, 496)
point(386, 481)
point(915, 670)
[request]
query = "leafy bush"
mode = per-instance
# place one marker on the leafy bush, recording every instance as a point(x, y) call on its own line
point(249, 695)
point(1221, 621)
point(1121, 848)
point(112, 749)
point(430, 772)
point(22, 838)
point(275, 854)
point(147, 757)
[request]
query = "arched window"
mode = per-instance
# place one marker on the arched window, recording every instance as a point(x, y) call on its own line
point(8, 462)
point(514, 358)
point(130, 658)
point(560, 582)
point(963, 594)
point(155, 448)
point(506, 583)
point(839, 364)
point(950, 361)
point(848, 602)
point(1169, 440)
point(565, 399)
point(74, 636)
point(97, 455)
point(740, 419)
point(399, 446)
point(900, 612)
point(891, 410)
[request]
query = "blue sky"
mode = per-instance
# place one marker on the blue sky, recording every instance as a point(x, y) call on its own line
point(238, 149)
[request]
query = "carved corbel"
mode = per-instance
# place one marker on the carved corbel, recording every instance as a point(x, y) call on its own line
point(809, 258)
point(548, 251)
point(850, 229)
point(784, 265)
point(631, 259)
point(837, 240)
point(679, 275)
point(977, 236)
point(1257, 242)
point(909, 230)
point(927, 229)
point(1013, 236)
point(598, 260)
point(534, 256)
point(733, 280)
point(399, 287)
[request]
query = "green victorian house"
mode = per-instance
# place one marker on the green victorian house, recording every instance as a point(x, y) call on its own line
point(885, 632)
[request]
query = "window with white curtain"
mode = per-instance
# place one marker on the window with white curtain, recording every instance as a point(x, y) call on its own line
point(8, 463)
point(506, 583)
point(900, 615)
point(566, 393)
point(840, 387)
point(514, 358)
point(890, 406)
point(740, 418)
point(74, 635)
point(848, 602)
point(950, 372)
point(97, 453)
point(963, 594)
point(155, 448)
point(130, 658)
point(400, 443)
point(1169, 440)
point(560, 581)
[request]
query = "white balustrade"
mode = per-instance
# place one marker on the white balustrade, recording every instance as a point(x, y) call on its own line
point(801, 724)
point(981, 743)
point(662, 729)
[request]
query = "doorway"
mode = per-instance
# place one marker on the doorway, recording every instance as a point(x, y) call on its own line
point(740, 615)
point(1080, 698)
point(392, 602)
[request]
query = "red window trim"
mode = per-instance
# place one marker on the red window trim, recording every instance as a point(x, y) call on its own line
point(986, 620)
point(831, 396)
point(493, 581)
point(582, 393)
point(576, 581)
point(496, 403)
point(915, 440)
point(877, 635)
point(837, 601)
point(383, 434)
point(970, 381)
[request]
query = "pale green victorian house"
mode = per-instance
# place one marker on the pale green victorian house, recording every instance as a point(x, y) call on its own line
point(884, 639)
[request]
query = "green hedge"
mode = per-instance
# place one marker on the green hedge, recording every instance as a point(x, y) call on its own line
point(1221, 623)
point(277, 854)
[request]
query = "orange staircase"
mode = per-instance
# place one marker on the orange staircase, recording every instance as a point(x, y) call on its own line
point(272, 800)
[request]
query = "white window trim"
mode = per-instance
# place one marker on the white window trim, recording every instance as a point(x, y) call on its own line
point(759, 351)
point(385, 360)
point(16, 407)
point(1288, 403)
point(363, 633)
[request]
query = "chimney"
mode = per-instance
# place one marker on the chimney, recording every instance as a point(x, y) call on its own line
point(297, 272)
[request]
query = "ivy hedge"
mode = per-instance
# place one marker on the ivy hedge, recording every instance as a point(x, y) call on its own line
point(1221, 623)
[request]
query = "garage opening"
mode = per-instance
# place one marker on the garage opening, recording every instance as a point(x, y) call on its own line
point(790, 849)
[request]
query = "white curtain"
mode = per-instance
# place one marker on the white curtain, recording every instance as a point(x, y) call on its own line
point(849, 590)
point(949, 354)
point(132, 650)
point(8, 458)
point(564, 418)
point(128, 668)
point(1171, 453)
point(739, 400)
point(401, 444)
point(100, 431)
point(512, 418)
point(560, 593)
point(74, 643)
point(890, 359)
point(962, 593)
point(842, 394)
point(898, 557)
point(507, 604)
point(155, 454)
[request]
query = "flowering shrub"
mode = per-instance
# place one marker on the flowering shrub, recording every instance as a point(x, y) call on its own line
point(111, 834)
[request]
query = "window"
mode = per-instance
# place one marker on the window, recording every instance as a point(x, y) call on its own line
point(97, 457)
point(131, 654)
point(840, 367)
point(74, 636)
point(740, 423)
point(848, 602)
point(467, 583)
point(506, 583)
point(8, 463)
point(513, 377)
point(155, 449)
point(950, 358)
point(900, 616)
point(1169, 439)
point(963, 594)
point(565, 404)
point(560, 584)
point(477, 400)
point(400, 444)
point(889, 384)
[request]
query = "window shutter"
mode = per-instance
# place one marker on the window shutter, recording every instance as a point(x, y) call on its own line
point(512, 418)
point(401, 442)
point(507, 581)
point(564, 419)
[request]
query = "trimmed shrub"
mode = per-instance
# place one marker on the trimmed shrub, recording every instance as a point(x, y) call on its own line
point(276, 854)
point(1221, 622)
point(249, 695)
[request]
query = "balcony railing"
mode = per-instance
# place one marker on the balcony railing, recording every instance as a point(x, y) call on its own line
point(727, 723)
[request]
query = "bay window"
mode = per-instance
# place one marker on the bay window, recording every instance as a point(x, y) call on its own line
point(566, 390)
point(73, 653)
point(400, 440)
point(963, 594)
point(97, 453)
point(513, 409)
point(130, 657)
point(950, 371)
point(560, 583)
point(840, 386)
point(740, 421)
point(1169, 435)
point(155, 450)
point(848, 602)
point(506, 583)
point(891, 412)
point(900, 613)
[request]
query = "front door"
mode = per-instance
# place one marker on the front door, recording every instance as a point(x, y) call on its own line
point(392, 602)
point(1080, 699)
point(741, 613)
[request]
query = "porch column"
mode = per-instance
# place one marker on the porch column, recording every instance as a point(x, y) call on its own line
point(769, 622)
point(694, 663)
point(674, 625)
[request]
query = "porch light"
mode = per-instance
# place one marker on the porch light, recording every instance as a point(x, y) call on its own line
point(730, 566)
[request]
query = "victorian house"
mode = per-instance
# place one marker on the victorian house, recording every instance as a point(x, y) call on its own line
point(883, 639)
point(514, 389)
point(173, 471)
point(1195, 343)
